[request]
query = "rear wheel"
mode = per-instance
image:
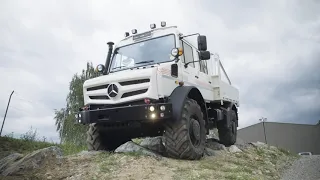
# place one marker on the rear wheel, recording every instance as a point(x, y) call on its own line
point(98, 140)
point(185, 138)
point(228, 134)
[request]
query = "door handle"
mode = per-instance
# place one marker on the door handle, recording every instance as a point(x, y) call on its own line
point(196, 77)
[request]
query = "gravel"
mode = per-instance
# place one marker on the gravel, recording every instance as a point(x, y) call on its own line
point(306, 168)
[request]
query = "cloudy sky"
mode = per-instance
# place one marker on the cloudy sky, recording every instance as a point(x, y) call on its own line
point(270, 49)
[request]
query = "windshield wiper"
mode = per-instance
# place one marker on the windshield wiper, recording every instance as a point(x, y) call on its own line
point(143, 62)
point(119, 67)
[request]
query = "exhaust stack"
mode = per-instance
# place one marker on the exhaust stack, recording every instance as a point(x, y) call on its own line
point(106, 71)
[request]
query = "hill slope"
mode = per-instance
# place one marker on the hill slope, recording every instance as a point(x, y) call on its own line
point(254, 162)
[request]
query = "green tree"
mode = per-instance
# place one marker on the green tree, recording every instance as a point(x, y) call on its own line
point(65, 117)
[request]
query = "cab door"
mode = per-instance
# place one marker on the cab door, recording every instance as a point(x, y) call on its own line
point(205, 83)
point(190, 71)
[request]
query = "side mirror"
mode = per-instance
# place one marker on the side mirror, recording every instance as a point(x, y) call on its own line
point(202, 43)
point(204, 55)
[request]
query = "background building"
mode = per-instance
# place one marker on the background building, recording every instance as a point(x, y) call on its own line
point(293, 137)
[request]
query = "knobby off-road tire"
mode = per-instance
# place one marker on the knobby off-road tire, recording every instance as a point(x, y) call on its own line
point(97, 141)
point(228, 135)
point(185, 138)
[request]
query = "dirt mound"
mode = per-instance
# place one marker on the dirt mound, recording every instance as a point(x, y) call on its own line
point(146, 160)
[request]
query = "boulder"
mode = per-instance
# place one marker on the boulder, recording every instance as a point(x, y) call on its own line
point(33, 160)
point(153, 144)
point(210, 152)
point(135, 148)
point(6, 161)
point(215, 145)
point(234, 149)
point(258, 144)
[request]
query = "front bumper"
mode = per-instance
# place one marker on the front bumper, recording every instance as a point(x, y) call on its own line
point(125, 114)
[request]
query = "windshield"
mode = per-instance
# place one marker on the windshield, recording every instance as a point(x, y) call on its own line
point(147, 52)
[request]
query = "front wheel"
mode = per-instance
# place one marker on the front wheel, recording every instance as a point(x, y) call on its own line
point(99, 140)
point(185, 138)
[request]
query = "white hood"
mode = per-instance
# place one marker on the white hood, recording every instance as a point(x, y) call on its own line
point(124, 86)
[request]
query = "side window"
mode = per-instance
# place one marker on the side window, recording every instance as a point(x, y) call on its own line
point(188, 54)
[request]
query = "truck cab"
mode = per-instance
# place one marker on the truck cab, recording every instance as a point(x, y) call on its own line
point(153, 82)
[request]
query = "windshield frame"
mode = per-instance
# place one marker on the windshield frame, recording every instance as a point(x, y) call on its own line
point(146, 64)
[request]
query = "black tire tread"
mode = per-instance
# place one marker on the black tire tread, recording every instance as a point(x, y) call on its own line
point(97, 141)
point(226, 136)
point(176, 137)
point(94, 139)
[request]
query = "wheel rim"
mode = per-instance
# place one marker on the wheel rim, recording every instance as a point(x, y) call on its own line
point(195, 132)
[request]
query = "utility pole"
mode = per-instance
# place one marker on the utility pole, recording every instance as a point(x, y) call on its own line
point(264, 129)
point(5, 115)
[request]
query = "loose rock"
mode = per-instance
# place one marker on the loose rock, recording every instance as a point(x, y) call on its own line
point(133, 147)
point(5, 162)
point(258, 144)
point(234, 149)
point(215, 145)
point(33, 160)
point(153, 144)
point(209, 152)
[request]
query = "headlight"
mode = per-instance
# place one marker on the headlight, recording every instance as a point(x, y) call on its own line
point(100, 68)
point(151, 108)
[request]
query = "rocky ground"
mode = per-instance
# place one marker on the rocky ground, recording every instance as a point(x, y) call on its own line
point(145, 159)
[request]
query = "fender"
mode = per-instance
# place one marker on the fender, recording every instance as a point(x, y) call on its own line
point(178, 97)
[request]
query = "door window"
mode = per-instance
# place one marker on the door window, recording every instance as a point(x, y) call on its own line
point(188, 54)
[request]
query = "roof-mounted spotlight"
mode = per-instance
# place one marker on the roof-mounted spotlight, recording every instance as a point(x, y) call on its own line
point(163, 24)
point(152, 26)
point(126, 34)
point(134, 31)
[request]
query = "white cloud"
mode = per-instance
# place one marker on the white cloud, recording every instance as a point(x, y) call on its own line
point(265, 46)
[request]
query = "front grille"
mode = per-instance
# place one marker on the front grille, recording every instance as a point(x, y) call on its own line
point(126, 83)
point(123, 83)
point(98, 97)
point(133, 93)
point(98, 87)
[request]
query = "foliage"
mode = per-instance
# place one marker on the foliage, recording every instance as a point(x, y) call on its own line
point(30, 135)
point(65, 117)
point(29, 142)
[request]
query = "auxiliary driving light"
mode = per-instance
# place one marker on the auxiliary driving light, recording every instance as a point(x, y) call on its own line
point(163, 24)
point(126, 34)
point(153, 115)
point(151, 108)
point(176, 52)
point(153, 26)
point(162, 108)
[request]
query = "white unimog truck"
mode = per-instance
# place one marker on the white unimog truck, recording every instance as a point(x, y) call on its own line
point(157, 83)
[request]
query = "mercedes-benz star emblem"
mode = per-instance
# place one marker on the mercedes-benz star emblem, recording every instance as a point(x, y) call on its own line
point(112, 90)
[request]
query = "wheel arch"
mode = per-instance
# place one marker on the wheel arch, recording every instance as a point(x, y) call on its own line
point(178, 97)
